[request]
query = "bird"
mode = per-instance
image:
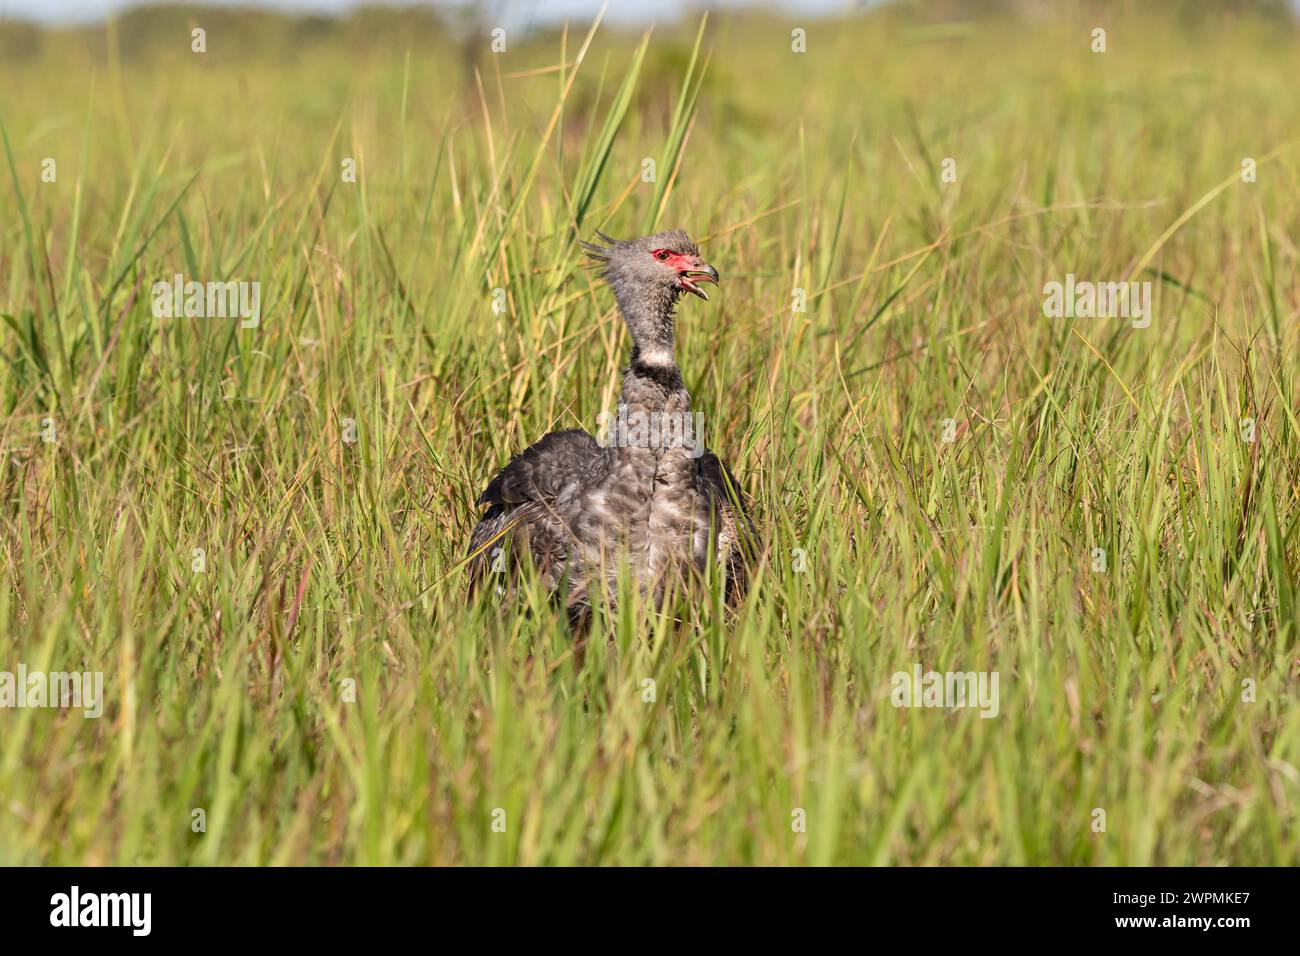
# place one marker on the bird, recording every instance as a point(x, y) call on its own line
point(647, 495)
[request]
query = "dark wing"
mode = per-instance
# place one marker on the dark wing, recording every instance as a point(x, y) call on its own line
point(525, 500)
point(737, 537)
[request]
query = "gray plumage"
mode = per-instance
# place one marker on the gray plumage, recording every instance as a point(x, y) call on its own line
point(579, 509)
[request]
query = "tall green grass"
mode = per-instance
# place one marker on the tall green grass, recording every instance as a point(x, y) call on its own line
point(332, 564)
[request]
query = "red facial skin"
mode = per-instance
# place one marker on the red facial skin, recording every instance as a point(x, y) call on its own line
point(690, 270)
point(676, 261)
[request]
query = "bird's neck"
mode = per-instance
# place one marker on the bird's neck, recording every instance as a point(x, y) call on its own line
point(653, 380)
point(660, 437)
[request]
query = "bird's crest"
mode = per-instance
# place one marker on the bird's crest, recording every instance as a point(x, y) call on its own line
point(675, 240)
point(599, 253)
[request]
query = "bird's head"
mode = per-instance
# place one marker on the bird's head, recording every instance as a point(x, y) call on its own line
point(653, 268)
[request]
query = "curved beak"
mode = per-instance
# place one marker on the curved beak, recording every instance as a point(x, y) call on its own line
point(699, 271)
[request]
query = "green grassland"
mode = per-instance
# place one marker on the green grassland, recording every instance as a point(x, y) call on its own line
point(332, 565)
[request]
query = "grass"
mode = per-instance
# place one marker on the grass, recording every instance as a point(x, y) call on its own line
point(331, 565)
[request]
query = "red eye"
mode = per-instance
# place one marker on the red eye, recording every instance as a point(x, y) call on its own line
point(662, 255)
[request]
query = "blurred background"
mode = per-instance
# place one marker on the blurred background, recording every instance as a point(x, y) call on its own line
point(308, 19)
